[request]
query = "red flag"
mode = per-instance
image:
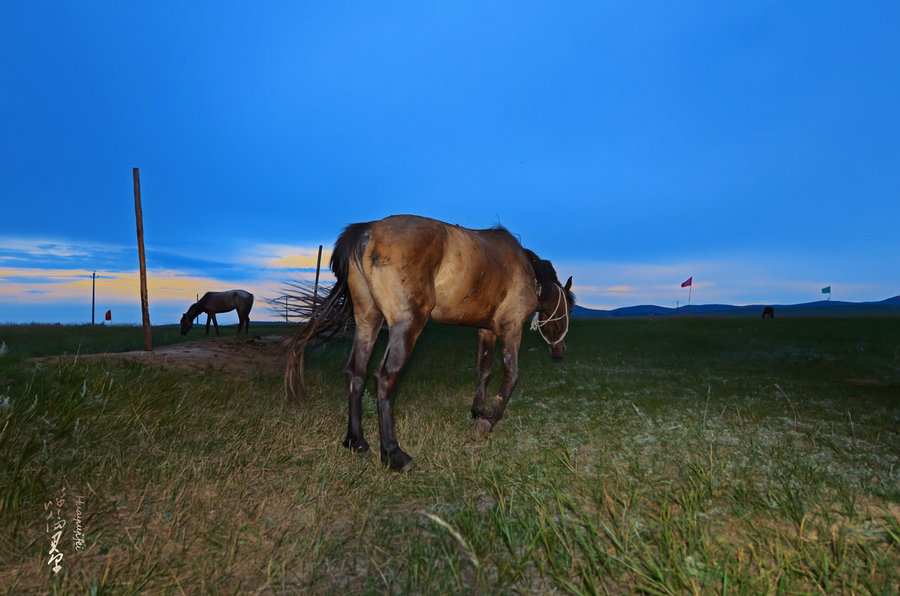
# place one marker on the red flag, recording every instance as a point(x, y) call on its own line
point(688, 282)
point(109, 315)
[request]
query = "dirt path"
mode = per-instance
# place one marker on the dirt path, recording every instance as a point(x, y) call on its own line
point(239, 354)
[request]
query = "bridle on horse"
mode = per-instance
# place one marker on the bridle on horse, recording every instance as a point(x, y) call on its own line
point(537, 324)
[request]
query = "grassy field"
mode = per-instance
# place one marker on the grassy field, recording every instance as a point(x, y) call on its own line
point(662, 456)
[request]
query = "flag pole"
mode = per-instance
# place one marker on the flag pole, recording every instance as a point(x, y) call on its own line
point(689, 284)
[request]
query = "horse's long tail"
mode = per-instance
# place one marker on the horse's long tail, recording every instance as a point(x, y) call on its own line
point(335, 312)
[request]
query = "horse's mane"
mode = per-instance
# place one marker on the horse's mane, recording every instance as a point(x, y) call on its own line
point(504, 232)
point(195, 309)
point(544, 272)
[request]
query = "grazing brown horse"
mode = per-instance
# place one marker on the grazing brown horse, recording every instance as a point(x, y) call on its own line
point(218, 302)
point(404, 269)
point(768, 313)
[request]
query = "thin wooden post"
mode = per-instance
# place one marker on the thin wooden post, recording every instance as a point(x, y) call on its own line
point(316, 286)
point(145, 305)
point(93, 295)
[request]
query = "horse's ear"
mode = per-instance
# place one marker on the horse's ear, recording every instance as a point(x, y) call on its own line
point(568, 284)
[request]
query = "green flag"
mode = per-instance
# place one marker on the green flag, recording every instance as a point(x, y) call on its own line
point(826, 290)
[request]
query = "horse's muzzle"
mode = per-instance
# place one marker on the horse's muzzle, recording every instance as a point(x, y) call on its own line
point(558, 351)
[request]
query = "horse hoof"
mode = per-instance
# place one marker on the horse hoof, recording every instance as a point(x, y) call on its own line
point(399, 461)
point(361, 447)
point(480, 428)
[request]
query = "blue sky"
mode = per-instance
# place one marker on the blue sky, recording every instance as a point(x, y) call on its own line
point(751, 145)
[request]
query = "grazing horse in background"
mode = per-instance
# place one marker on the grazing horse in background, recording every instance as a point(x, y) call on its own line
point(404, 269)
point(768, 313)
point(218, 302)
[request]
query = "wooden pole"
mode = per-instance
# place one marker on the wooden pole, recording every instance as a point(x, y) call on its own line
point(93, 295)
point(145, 306)
point(316, 286)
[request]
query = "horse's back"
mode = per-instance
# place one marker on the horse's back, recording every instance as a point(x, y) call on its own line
point(483, 271)
point(411, 238)
point(460, 275)
point(238, 295)
point(228, 299)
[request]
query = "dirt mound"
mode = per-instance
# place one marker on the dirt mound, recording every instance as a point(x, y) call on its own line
point(238, 354)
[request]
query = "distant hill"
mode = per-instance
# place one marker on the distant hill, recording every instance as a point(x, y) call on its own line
point(822, 308)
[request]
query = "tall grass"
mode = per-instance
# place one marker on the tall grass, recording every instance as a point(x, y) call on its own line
point(669, 456)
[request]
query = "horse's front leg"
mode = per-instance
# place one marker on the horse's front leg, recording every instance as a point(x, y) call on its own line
point(485, 423)
point(209, 318)
point(485, 360)
point(402, 338)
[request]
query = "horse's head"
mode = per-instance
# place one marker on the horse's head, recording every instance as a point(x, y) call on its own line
point(552, 318)
point(186, 323)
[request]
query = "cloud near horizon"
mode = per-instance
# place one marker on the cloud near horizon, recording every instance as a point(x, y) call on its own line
point(43, 277)
point(282, 257)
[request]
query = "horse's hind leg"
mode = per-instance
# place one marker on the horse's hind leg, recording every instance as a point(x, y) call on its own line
point(367, 328)
point(486, 342)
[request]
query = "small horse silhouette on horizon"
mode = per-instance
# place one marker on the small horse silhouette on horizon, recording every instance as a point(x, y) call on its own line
point(219, 302)
point(768, 313)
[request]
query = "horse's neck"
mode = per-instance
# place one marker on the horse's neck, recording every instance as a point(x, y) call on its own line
point(195, 309)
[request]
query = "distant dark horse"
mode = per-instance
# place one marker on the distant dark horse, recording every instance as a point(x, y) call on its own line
point(403, 270)
point(217, 302)
point(768, 313)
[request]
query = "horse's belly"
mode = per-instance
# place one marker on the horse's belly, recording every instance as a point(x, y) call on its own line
point(462, 315)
